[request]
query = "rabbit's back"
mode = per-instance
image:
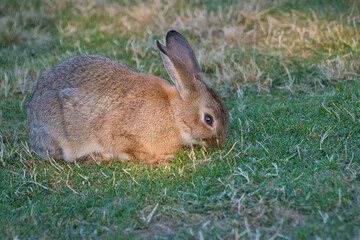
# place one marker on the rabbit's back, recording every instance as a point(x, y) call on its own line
point(90, 73)
point(95, 86)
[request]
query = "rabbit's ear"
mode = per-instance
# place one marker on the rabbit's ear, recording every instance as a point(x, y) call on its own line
point(178, 44)
point(179, 73)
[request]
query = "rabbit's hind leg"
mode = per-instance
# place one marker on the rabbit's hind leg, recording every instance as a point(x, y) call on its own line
point(42, 142)
point(45, 125)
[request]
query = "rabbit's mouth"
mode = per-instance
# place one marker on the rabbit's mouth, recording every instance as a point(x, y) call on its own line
point(213, 142)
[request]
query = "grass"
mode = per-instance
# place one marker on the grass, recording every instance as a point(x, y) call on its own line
point(289, 73)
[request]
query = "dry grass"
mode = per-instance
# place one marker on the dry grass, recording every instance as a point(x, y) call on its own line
point(234, 43)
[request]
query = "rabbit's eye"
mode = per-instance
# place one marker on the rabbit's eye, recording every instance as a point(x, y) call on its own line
point(208, 119)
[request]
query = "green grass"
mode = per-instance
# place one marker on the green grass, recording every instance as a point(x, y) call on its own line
point(289, 73)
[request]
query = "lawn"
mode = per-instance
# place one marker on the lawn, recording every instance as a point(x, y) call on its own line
point(289, 72)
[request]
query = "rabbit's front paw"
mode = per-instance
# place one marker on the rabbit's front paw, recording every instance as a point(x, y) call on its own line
point(161, 159)
point(98, 157)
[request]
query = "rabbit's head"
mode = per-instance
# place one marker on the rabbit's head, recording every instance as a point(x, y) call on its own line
point(200, 114)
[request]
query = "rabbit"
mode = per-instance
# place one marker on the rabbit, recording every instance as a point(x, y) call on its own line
point(91, 105)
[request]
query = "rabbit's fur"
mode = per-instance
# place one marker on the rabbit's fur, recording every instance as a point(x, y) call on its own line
point(93, 106)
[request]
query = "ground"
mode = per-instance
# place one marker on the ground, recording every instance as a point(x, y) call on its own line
point(289, 72)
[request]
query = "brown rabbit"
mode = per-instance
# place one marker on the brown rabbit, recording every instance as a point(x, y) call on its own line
point(91, 105)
